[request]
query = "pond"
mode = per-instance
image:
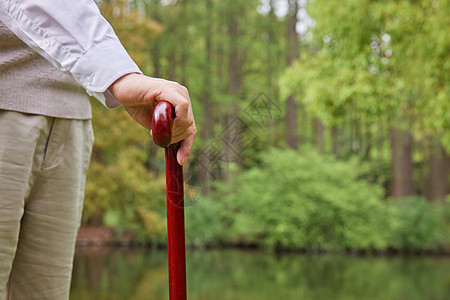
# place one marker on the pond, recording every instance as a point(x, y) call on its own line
point(113, 274)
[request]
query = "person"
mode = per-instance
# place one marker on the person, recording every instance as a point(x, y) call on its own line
point(49, 52)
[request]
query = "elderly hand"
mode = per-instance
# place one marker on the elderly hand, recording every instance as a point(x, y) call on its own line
point(139, 93)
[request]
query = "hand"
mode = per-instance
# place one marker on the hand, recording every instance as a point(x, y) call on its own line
point(139, 93)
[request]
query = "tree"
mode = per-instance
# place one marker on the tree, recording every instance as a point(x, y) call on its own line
point(374, 67)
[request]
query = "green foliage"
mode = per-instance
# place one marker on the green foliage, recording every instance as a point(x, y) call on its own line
point(119, 185)
point(308, 201)
point(383, 61)
point(304, 200)
point(364, 67)
point(323, 206)
point(417, 224)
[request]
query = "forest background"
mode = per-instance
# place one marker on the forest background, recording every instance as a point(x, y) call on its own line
point(322, 125)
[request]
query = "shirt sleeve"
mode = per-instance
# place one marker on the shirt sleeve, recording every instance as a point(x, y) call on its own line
point(75, 38)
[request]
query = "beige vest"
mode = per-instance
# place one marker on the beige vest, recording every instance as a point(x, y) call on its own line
point(31, 84)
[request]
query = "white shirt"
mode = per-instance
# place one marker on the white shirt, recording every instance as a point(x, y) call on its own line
point(75, 38)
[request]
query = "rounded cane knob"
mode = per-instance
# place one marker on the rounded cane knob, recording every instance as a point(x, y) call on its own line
point(162, 122)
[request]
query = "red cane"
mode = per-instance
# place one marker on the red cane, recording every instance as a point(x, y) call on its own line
point(162, 122)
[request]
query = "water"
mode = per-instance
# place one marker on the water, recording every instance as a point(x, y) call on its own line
point(234, 275)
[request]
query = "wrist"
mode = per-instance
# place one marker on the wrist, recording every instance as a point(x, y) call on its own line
point(120, 88)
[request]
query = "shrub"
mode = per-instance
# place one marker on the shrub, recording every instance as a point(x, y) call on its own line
point(301, 200)
point(417, 224)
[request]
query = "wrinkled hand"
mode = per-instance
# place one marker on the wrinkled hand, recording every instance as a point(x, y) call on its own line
point(139, 93)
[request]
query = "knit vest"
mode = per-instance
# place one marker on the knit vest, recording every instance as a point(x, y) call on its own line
point(31, 84)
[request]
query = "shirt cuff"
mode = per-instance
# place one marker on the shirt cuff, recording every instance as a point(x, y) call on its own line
point(110, 100)
point(101, 66)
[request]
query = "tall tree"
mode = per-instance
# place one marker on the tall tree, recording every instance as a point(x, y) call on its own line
point(292, 54)
point(207, 105)
point(378, 67)
point(402, 183)
point(438, 171)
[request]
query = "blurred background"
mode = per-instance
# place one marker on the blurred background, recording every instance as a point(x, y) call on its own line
point(321, 165)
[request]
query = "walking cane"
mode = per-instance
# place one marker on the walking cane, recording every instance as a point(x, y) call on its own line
point(162, 122)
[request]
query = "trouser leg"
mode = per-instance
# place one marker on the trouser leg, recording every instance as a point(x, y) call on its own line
point(20, 138)
point(42, 266)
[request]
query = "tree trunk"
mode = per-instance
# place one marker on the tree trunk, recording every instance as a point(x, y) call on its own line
point(319, 139)
point(151, 159)
point(183, 43)
point(358, 141)
point(221, 87)
point(438, 172)
point(335, 141)
point(271, 41)
point(208, 126)
point(233, 127)
point(368, 142)
point(291, 123)
point(402, 183)
point(154, 12)
point(95, 220)
point(172, 57)
point(380, 141)
point(292, 53)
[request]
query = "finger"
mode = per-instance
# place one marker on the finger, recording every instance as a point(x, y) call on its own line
point(183, 91)
point(182, 111)
point(183, 135)
point(185, 149)
point(180, 125)
point(179, 102)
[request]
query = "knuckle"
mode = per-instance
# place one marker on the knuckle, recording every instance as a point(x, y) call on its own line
point(188, 146)
point(192, 130)
point(184, 104)
point(181, 88)
point(185, 90)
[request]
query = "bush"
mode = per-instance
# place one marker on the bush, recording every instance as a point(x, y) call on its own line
point(120, 189)
point(417, 224)
point(301, 200)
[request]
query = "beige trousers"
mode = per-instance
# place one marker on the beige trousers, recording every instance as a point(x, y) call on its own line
point(43, 165)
